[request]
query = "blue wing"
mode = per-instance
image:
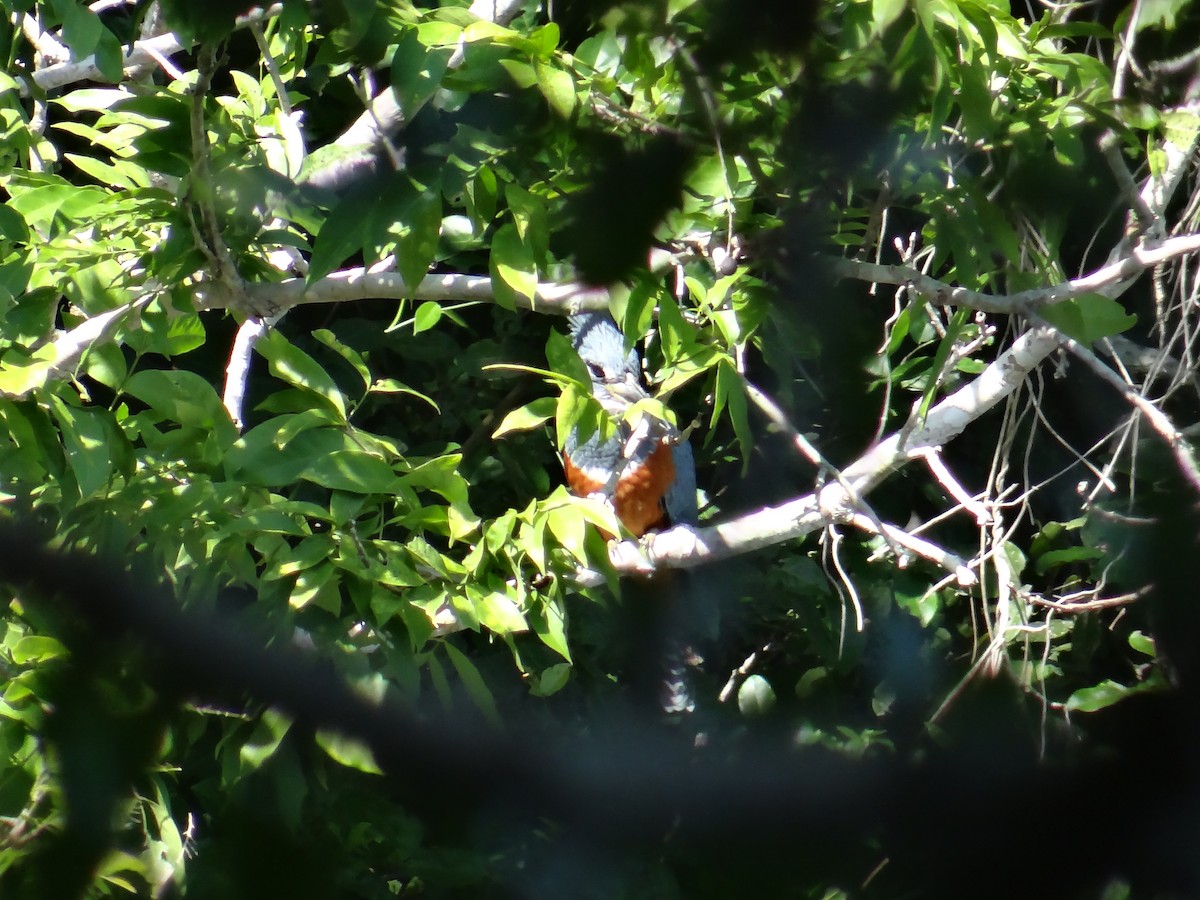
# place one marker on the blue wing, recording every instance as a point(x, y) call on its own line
point(680, 500)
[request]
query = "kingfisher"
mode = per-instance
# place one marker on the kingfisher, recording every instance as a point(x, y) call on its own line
point(646, 472)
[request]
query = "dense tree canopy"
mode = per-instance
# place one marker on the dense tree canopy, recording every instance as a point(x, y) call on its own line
point(296, 601)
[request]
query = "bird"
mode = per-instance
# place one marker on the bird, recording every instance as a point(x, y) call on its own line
point(648, 473)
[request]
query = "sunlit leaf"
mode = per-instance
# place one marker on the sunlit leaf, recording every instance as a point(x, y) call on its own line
point(512, 267)
point(291, 364)
point(348, 752)
point(527, 417)
point(755, 697)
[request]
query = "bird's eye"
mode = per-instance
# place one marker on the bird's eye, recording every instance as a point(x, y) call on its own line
point(596, 371)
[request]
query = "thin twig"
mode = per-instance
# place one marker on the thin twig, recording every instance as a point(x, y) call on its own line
point(1116, 164)
point(142, 55)
point(944, 477)
point(1085, 606)
point(777, 416)
point(285, 102)
point(952, 562)
point(1179, 446)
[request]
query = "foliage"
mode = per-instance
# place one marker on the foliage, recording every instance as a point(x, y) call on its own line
point(388, 493)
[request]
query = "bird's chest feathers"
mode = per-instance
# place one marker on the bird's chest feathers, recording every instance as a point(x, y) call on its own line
point(635, 486)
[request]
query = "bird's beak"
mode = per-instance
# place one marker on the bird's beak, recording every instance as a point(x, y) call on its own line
point(628, 390)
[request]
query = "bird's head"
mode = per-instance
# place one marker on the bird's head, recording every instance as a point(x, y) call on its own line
point(614, 370)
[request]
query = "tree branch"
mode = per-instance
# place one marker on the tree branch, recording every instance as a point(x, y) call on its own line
point(1176, 443)
point(362, 284)
point(237, 371)
point(342, 160)
point(1106, 280)
point(69, 347)
point(141, 56)
point(685, 547)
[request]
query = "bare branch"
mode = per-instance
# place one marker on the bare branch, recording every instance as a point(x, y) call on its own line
point(951, 562)
point(1083, 606)
point(1108, 280)
point(238, 369)
point(1137, 203)
point(69, 347)
point(363, 284)
point(340, 162)
point(685, 547)
point(944, 477)
point(771, 410)
point(49, 47)
point(141, 56)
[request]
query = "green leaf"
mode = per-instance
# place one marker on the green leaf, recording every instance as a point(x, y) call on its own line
point(549, 622)
point(181, 396)
point(12, 225)
point(85, 439)
point(110, 59)
point(417, 71)
point(527, 417)
point(755, 697)
point(81, 29)
point(1066, 556)
point(318, 587)
point(37, 648)
point(416, 233)
point(1089, 318)
point(477, 688)
point(807, 684)
point(730, 395)
point(352, 470)
point(208, 22)
point(498, 613)
point(512, 268)
point(118, 174)
point(291, 364)
point(1097, 697)
point(544, 41)
point(558, 87)
point(50, 197)
point(349, 752)
point(392, 386)
point(268, 521)
point(566, 363)
point(268, 734)
point(1161, 14)
point(1142, 643)
point(260, 457)
point(579, 411)
point(349, 354)
point(342, 235)
point(93, 99)
point(531, 218)
point(184, 334)
point(523, 73)
point(924, 604)
point(885, 12)
point(551, 680)
point(311, 551)
point(568, 523)
point(428, 314)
